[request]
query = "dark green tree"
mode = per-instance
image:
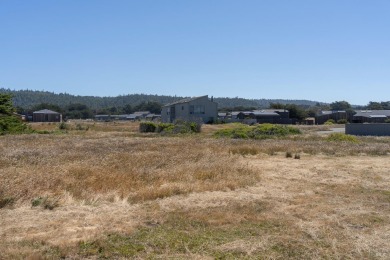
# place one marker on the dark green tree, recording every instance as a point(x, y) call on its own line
point(340, 105)
point(78, 111)
point(9, 122)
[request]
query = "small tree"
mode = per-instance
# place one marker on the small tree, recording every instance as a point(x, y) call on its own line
point(9, 122)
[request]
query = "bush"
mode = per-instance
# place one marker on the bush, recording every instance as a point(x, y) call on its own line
point(164, 127)
point(262, 131)
point(330, 122)
point(147, 127)
point(63, 126)
point(339, 137)
point(342, 121)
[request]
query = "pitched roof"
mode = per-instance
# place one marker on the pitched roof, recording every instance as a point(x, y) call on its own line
point(184, 100)
point(45, 111)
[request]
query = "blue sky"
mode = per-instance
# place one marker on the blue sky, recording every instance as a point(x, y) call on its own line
point(321, 50)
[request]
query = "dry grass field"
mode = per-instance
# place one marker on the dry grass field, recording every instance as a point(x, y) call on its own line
point(103, 190)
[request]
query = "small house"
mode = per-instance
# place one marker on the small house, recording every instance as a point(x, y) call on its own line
point(371, 116)
point(191, 109)
point(46, 115)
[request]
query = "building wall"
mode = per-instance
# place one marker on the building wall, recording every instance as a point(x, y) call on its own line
point(46, 117)
point(187, 111)
point(368, 129)
point(321, 119)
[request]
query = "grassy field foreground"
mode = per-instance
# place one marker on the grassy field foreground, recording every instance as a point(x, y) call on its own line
point(103, 190)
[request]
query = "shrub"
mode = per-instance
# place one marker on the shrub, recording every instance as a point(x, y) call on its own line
point(288, 155)
point(330, 122)
point(8, 201)
point(45, 203)
point(339, 137)
point(63, 126)
point(164, 127)
point(257, 132)
point(297, 156)
point(342, 121)
point(147, 127)
point(81, 127)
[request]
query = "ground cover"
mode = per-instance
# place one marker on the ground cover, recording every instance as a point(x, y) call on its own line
point(103, 190)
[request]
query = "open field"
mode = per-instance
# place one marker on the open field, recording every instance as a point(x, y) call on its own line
point(107, 191)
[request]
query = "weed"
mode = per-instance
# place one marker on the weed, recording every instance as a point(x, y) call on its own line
point(7, 201)
point(45, 203)
point(340, 137)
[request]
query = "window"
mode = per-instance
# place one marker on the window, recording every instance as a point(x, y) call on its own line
point(197, 109)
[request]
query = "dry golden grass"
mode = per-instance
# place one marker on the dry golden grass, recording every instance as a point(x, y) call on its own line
point(119, 194)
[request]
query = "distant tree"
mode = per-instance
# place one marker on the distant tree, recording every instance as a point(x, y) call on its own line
point(340, 105)
point(277, 106)
point(6, 106)
point(128, 109)
point(376, 105)
point(294, 110)
point(78, 111)
point(152, 106)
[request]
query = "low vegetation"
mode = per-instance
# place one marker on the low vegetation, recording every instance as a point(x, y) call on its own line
point(111, 192)
point(179, 127)
point(261, 131)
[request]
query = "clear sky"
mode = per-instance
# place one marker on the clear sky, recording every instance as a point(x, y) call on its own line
point(322, 50)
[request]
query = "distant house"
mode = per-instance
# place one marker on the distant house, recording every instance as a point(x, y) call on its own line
point(324, 116)
point(130, 117)
point(273, 116)
point(46, 115)
point(371, 116)
point(190, 109)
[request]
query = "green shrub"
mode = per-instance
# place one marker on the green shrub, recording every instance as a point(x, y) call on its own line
point(63, 126)
point(179, 127)
point(262, 131)
point(330, 122)
point(340, 137)
point(164, 127)
point(342, 121)
point(147, 127)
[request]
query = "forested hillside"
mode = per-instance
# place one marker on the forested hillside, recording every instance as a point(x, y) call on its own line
point(31, 98)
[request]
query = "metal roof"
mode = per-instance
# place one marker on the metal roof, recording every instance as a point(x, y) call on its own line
point(373, 113)
point(184, 100)
point(45, 111)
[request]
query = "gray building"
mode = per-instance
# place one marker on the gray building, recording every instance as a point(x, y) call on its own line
point(371, 116)
point(190, 109)
point(273, 116)
point(324, 116)
point(46, 115)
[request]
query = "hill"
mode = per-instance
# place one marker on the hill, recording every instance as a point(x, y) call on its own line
point(30, 98)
